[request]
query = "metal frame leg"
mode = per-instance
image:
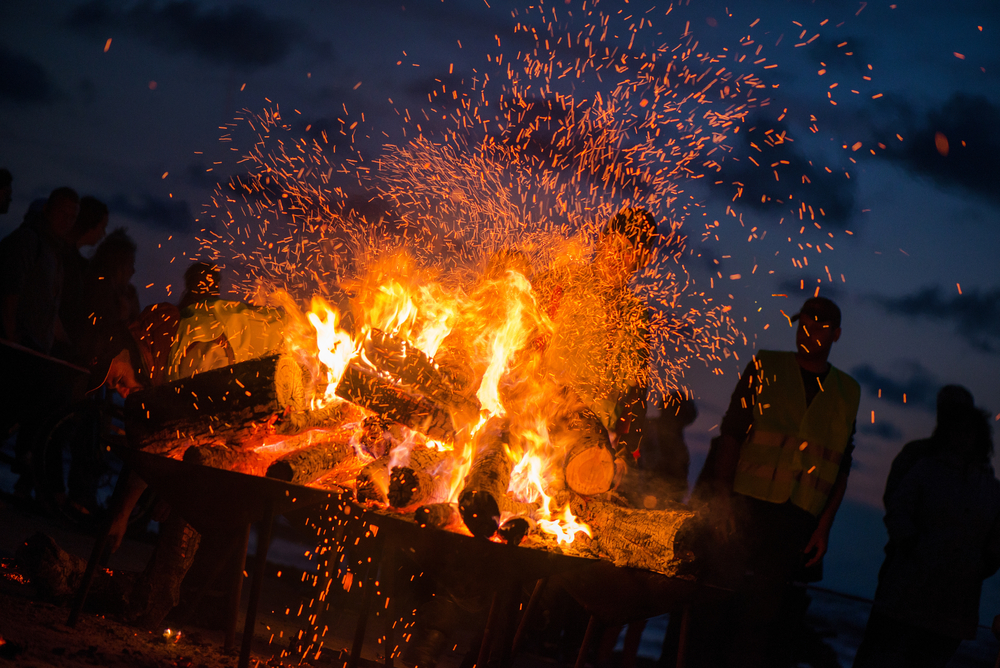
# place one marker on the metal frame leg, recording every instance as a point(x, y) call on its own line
point(371, 574)
point(588, 638)
point(235, 591)
point(260, 562)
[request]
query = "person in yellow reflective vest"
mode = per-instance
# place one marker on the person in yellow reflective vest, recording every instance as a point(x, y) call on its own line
point(779, 475)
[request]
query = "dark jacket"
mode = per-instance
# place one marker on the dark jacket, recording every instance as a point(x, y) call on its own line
point(943, 520)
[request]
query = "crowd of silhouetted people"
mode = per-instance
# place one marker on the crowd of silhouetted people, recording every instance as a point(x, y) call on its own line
point(72, 326)
point(59, 309)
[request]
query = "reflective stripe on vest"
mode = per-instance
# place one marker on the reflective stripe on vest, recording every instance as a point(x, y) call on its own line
point(794, 452)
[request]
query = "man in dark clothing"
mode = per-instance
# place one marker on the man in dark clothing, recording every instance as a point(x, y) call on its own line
point(943, 520)
point(89, 229)
point(952, 401)
point(31, 282)
point(780, 475)
point(32, 273)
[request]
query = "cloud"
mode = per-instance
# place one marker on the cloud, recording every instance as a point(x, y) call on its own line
point(969, 128)
point(975, 314)
point(801, 187)
point(912, 381)
point(882, 429)
point(23, 80)
point(166, 214)
point(237, 35)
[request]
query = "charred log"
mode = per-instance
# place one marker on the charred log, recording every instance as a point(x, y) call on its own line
point(372, 483)
point(415, 370)
point(233, 406)
point(373, 436)
point(206, 402)
point(435, 515)
point(485, 490)
point(415, 482)
point(306, 465)
point(378, 395)
point(514, 530)
point(229, 459)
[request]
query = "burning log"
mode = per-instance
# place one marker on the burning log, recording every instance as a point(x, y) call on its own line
point(373, 436)
point(656, 540)
point(435, 515)
point(372, 483)
point(484, 496)
point(291, 383)
point(232, 406)
point(197, 407)
point(306, 465)
point(590, 463)
point(415, 482)
point(487, 482)
point(414, 369)
point(229, 459)
point(378, 395)
point(515, 529)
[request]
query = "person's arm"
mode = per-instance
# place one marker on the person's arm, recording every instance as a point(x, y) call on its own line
point(820, 539)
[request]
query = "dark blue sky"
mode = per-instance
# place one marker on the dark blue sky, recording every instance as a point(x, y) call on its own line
point(138, 124)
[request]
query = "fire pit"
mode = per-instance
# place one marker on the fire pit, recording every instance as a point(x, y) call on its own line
point(446, 416)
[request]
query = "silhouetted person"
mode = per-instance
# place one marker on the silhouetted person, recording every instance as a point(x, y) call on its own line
point(31, 282)
point(780, 474)
point(32, 272)
point(663, 452)
point(88, 230)
point(108, 301)
point(943, 520)
point(952, 402)
point(6, 189)
point(202, 282)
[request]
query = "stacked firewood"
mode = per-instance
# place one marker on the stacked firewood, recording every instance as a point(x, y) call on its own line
point(389, 439)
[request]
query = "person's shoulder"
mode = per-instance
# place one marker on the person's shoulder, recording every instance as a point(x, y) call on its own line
point(21, 234)
point(21, 242)
point(917, 449)
point(765, 356)
point(773, 360)
point(852, 386)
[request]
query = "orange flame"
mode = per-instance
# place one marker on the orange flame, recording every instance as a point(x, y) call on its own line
point(336, 349)
point(564, 527)
point(508, 339)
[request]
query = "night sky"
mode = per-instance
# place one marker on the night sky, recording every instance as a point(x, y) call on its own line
point(125, 101)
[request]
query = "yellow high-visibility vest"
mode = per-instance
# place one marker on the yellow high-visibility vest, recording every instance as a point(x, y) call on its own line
point(793, 452)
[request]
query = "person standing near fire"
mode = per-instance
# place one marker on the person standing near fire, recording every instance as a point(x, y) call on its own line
point(780, 474)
